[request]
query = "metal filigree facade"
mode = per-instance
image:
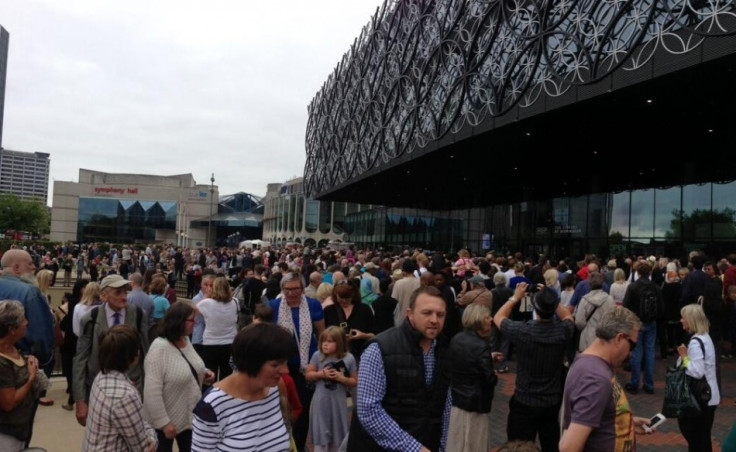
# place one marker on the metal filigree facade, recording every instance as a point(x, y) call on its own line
point(422, 69)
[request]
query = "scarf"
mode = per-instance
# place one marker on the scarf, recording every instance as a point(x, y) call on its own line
point(305, 328)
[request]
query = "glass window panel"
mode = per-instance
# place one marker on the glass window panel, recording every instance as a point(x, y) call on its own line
point(724, 213)
point(299, 225)
point(292, 212)
point(311, 216)
point(667, 213)
point(642, 213)
point(696, 212)
point(325, 216)
point(338, 215)
point(598, 214)
point(620, 215)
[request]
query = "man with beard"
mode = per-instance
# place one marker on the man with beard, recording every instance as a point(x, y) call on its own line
point(403, 381)
point(18, 282)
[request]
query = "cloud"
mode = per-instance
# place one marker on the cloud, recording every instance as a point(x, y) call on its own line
point(171, 87)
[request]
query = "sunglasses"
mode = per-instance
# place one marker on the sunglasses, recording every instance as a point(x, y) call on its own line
point(632, 344)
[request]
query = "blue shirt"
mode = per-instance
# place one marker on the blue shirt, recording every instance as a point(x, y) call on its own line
point(371, 391)
point(39, 338)
point(582, 290)
point(198, 329)
point(315, 312)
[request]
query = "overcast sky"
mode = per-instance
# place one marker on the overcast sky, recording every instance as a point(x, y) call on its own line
point(172, 86)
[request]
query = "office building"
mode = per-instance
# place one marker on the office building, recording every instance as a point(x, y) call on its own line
point(292, 217)
point(25, 174)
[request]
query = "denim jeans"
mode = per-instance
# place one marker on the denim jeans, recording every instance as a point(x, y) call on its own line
point(645, 345)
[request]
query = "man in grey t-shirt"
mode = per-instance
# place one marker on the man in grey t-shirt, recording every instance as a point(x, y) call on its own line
point(596, 415)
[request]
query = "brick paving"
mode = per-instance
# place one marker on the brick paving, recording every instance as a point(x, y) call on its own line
point(668, 435)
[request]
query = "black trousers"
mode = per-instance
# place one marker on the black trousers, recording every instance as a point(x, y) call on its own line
point(526, 422)
point(183, 441)
point(217, 359)
point(696, 430)
point(301, 426)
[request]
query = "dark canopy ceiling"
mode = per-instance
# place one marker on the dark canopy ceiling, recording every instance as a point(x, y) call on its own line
point(675, 129)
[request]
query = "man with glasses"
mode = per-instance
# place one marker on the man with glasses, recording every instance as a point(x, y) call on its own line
point(596, 415)
point(305, 320)
point(114, 310)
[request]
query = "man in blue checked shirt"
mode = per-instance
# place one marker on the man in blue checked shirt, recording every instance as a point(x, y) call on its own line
point(403, 402)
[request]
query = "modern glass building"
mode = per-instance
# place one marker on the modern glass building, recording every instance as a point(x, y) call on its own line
point(667, 221)
point(292, 217)
point(129, 208)
point(560, 127)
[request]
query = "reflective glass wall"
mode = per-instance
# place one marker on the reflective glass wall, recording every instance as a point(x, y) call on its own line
point(668, 221)
point(123, 220)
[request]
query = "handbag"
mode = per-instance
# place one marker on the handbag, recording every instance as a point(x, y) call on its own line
point(679, 401)
point(699, 386)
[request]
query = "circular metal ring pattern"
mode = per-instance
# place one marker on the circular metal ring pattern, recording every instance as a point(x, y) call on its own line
point(422, 69)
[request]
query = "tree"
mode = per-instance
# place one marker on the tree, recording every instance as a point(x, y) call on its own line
point(23, 214)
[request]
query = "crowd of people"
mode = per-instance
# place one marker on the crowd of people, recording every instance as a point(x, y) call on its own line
point(268, 345)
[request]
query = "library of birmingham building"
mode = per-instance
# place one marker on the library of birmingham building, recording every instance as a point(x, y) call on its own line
point(561, 127)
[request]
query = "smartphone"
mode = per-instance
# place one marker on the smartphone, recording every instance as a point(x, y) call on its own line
point(655, 421)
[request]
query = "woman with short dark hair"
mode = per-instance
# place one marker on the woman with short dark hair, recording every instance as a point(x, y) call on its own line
point(242, 412)
point(115, 420)
point(17, 379)
point(174, 377)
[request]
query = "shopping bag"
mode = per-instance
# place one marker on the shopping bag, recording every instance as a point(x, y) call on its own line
point(679, 401)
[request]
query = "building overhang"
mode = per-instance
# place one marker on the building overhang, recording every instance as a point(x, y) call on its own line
point(660, 118)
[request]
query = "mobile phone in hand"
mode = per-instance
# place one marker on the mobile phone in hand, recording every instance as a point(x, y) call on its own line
point(654, 421)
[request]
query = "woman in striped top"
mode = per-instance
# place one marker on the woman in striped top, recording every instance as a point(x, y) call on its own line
point(242, 411)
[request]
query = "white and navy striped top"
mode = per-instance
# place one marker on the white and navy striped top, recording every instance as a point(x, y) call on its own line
point(224, 423)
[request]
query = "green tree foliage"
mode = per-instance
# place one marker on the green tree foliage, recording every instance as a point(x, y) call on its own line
point(700, 221)
point(23, 214)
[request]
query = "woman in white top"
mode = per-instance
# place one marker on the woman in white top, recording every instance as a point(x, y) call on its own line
point(220, 313)
point(174, 377)
point(90, 297)
point(697, 430)
point(619, 286)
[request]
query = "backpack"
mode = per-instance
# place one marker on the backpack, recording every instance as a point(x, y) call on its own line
point(648, 303)
point(245, 307)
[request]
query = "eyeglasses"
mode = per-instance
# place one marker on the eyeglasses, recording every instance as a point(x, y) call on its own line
point(340, 282)
point(632, 344)
point(292, 289)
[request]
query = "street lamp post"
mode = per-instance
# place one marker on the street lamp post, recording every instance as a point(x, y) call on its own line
point(212, 195)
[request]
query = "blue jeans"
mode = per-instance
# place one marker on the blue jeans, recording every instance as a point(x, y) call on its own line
point(645, 344)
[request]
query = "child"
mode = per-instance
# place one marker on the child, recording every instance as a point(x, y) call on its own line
point(333, 369)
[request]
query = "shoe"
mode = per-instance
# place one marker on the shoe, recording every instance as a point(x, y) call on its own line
point(503, 370)
point(45, 402)
point(68, 406)
point(649, 391)
point(631, 389)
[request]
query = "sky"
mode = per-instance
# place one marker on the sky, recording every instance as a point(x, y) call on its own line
point(171, 87)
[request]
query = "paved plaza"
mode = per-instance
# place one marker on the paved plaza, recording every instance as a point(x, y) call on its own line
point(57, 430)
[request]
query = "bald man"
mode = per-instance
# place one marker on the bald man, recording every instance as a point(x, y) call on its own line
point(18, 282)
point(315, 279)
